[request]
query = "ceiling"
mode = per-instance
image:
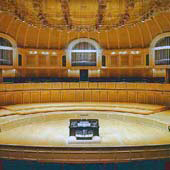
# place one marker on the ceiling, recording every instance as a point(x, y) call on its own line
point(113, 23)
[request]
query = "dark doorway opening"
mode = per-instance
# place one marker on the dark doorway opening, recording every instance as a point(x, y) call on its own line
point(83, 75)
point(168, 76)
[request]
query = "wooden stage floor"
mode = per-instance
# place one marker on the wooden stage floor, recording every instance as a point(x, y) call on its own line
point(118, 127)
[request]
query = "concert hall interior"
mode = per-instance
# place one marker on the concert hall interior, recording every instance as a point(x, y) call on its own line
point(85, 84)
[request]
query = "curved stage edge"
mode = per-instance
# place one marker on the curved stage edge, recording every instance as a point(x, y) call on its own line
point(85, 155)
point(157, 116)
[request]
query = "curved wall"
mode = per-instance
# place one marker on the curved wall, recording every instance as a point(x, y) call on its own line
point(85, 92)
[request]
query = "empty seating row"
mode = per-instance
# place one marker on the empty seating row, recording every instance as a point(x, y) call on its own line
point(65, 79)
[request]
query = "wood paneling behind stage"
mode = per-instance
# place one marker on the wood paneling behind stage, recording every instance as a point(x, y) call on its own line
point(84, 92)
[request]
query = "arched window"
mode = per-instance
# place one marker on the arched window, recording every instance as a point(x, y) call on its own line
point(162, 51)
point(6, 52)
point(83, 52)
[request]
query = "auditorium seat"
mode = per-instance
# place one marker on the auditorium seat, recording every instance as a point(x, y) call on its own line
point(66, 79)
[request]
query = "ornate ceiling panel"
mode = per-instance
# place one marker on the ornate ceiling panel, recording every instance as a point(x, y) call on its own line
point(86, 15)
point(74, 18)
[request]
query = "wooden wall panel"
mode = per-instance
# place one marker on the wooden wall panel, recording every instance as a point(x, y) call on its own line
point(9, 87)
point(53, 73)
point(46, 85)
point(9, 98)
point(93, 85)
point(18, 97)
point(2, 98)
point(74, 85)
point(141, 97)
point(87, 95)
point(122, 96)
point(131, 86)
point(124, 60)
point(42, 73)
point(56, 85)
point(166, 98)
point(112, 96)
point(55, 96)
point(158, 98)
point(132, 96)
point(35, 97)
point(30, 73)
point(150, 97)
point(74, 73)
point(26, 97)
point(65, 85)
point(95, 95)
point(85, 92)
point(53, 60)
point(31, 60)
point(84, 85)
point(102, 85)
point(103, 96)
point(68, 95)
point(114, 61)
point(137, 60)
point(42, 60)
point(45, 96)
point(79, 97)
point(120, 86)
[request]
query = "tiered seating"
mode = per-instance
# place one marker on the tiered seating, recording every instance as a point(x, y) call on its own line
point(101, 79)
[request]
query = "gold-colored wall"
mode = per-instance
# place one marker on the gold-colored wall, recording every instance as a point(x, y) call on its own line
point(85, 92)
point(117, 65)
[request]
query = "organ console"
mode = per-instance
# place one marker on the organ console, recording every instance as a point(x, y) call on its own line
point(84, 129)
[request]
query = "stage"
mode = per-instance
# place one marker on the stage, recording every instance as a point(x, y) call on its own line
point(123, 126)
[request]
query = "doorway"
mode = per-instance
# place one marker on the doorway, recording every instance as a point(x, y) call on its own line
point(84, 75)
point(168, 75)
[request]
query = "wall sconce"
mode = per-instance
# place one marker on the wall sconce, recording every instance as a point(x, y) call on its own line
point(135, 52)
point(123, 52)
point(54, 53)
point(44, 53)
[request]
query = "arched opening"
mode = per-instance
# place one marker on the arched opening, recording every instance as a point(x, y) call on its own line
point(8, 50)
point(84, 52)
point(160, 49)
point(160, 52)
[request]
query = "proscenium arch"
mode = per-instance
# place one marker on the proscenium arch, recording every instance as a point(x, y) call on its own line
point(14, 46)
point(153, 44)
point(88, 40)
